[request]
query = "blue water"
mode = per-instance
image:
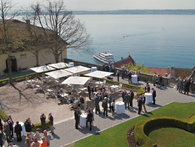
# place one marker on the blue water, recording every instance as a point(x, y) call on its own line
point(155, 40)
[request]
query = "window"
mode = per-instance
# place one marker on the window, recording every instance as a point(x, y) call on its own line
point(23, 55)
point(47, 52)
point(34, 54)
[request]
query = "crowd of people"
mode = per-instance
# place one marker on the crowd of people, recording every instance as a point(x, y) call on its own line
point(9, 128)
point(184, 85)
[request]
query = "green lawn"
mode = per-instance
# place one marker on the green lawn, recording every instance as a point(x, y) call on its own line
point(169, 136)
point(116, 136)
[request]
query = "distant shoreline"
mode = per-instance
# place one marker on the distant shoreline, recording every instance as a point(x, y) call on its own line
point(138, 12)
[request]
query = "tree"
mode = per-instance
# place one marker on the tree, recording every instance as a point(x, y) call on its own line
point(60, 28)
point(9, 34)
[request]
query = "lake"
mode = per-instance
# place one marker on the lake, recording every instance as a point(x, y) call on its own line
point(155, 40)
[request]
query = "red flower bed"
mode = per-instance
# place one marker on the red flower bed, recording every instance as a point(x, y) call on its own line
point(131, 138)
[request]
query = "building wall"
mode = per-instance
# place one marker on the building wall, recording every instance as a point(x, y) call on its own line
point(183, 72)
point(28, 59)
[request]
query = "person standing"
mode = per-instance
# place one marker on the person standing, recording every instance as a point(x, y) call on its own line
point(153, 95)
point(123, 94)
point(154, 79)
point(7, 131)
point(105, 106)
point(191, 83)
point(50, 120)
point(109, 101)
point(11, 125)
point(96, 103)
point(143, 102)
point(89, 119)
point(129, 77)
point(139, 100)
point(28, 126)
point(187, 85)
point(180, 84)
point(18, 129)
point(118, 75)
point(113, 106)
point(127, 100)
point(46, 137)
point(147, 88)
point(76, 116)
point(89, 90)
point(91, 111)
point(123, 73)
point(1, 139)
point(131, 98)
point(43, 118)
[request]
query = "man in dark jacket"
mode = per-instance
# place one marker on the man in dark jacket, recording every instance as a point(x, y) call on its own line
point(123, 95)
point(7, 131)
point(131, 98)
point(129, 76)
point(50, 120)
point(42, 118)
point(105, 106)
point(139, 101)
point(76, 116)
point(89, 90)
point(18, 129)
point(127, 100)
point(89, 119)
point(187, 85)
point(109, 101)
point(96, 103)
point(28, 125)
point(11, 125)
point(153, 95)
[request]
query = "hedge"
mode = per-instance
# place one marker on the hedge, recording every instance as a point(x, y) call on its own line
point(143, 140)
point(3, 116)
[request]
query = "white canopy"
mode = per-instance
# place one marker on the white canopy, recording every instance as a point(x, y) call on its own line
point(58, 74)
point(76, 80)
point(99, 74)
point(77, 69)
point(42, 69)
point(59, 65)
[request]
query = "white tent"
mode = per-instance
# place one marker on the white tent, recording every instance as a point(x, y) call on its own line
point(41, 69)
point(76, 80)
point(59, 65)
point(58, 74)
point(78, 69)
point(99, 74)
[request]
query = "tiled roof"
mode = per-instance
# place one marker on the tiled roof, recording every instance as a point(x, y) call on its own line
point(128, 60)
point(161, 71)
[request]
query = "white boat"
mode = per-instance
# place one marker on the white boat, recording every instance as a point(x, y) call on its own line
point(104, 57)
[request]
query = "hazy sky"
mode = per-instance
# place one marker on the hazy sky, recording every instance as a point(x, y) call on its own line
point(117, 4)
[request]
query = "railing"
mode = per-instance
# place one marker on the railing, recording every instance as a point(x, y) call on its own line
point(142, 76)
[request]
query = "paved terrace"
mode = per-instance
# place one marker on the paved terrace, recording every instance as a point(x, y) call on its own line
point(65, 132)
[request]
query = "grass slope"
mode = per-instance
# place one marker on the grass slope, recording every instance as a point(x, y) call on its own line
point(116, 136)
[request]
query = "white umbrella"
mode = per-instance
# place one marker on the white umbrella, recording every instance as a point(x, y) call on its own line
point(99, 74)
point(59, 65)
point(41, 69)
point(76, 80)
point(58, 74)
point(78, 69)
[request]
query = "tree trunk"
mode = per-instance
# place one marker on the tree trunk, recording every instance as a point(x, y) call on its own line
point(10, 69)
point(37, 59)
point(56, 58)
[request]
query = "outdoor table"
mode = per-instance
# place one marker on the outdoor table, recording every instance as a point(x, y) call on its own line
point(93, 69)
point(114, 86)
point(83, 88)
point(120, 107)
point(64, 95)
point(99, 83)
point(49, 90)
point(23, 132)
point(83, 120)
point(134, 79)
point(148, 97)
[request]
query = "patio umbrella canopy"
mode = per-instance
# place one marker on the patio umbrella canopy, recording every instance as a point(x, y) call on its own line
point(99, 74)
point(78, 69)
point(59, 65)
point(58, 74)
point(41, 69)
point(76, 80)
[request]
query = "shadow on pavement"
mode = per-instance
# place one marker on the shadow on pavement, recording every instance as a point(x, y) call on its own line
point(94, 130)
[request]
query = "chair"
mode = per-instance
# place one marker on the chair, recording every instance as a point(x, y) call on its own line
point(120, 87)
